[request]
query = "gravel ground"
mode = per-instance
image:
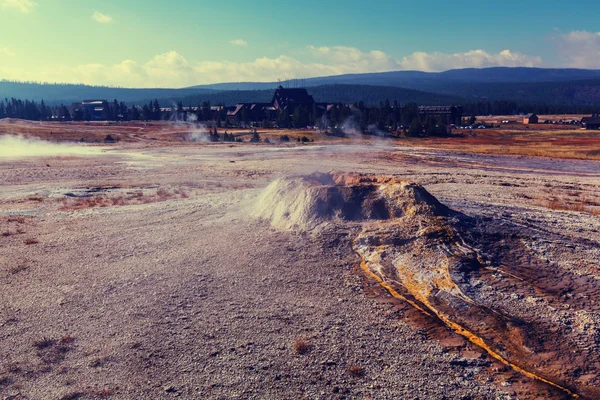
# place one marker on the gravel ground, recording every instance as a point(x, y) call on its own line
point(187, 296)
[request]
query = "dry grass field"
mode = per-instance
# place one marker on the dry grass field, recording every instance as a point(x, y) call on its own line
point(96, 132)
point(552, 141)
point(541, 140)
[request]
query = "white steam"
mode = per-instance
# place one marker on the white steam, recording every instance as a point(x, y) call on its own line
point(13, 146)
point(374, 130)
point(198, 132)
point(351, 127)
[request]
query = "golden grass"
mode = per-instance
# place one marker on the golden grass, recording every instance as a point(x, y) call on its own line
point(103, 393)
point(583, 205)
point(535, 150)
point(35, 198)
point(136, 198)
point(356, 371)
point(301, 346)
point(565, 144)
point(19, 219)
point(15, 269)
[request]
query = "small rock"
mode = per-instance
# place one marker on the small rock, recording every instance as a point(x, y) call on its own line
point(169, 389)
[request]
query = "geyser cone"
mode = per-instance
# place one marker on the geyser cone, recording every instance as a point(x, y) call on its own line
point(413, 246)
point(310, 201)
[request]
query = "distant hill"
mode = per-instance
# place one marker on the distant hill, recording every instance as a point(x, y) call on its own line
point(532, 85)
point(582, 92)
point(539, 86)
point(67, 94)
point(345, 94)
point(428, 81)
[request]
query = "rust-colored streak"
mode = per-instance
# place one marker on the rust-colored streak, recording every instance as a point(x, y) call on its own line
point(481, 343)
point(473, 338)
point(390, 289)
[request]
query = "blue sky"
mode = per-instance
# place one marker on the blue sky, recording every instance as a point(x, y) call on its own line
point(143, 43)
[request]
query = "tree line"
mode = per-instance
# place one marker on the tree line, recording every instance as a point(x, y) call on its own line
point(115, 111)
point(511, 107)
point(383, 117)
point(29, 110)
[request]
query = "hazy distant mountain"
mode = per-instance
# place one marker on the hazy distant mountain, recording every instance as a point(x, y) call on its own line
point(533, 85)
point(529, 85)
point(345, 94)
point(429, 81)
point(67, 94)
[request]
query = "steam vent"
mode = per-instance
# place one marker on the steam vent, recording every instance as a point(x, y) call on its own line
point(451, 267)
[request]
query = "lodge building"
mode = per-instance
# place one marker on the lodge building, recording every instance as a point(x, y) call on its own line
point(446, 114)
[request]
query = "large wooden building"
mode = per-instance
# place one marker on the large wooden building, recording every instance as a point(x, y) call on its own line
point(96, 109)
point(286, 99)
point(254, 112)
point(591, 123)
point(445, 114)
point(530, 119)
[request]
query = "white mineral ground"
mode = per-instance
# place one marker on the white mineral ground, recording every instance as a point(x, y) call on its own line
point(156, 272)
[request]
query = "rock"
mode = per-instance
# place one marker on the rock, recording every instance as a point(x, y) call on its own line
point(169, 389)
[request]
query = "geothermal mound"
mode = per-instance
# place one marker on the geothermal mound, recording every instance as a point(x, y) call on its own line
point(416, 248)
point(311, 201)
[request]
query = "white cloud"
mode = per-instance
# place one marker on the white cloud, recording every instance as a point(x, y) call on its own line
point(238, 42)
point(349, 59)
point(24, 6)
point(171, 69)
point(353, 60)
point(579, 49)
point(102, 18)
point(6, 52)
point(471, 59)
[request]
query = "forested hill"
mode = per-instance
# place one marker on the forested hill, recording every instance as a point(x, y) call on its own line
point(66, 93)
point(571, 94)
point(346, 94)
point(430, 81)
point(560, 95)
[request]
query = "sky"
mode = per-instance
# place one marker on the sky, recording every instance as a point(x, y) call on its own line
point(142, 43)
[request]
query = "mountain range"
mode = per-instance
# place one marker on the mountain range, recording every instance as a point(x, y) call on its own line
point(429, 81)
point(525, 85)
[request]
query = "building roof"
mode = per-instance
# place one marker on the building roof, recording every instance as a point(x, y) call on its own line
point(90, 102)
point(285, 97)
point(236, 110)
point(595, 120)
point(253, 107)
point(439, 109)
point(259, 106)
point(530, 115)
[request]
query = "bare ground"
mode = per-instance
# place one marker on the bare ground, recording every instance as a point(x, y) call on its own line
point(189, 296)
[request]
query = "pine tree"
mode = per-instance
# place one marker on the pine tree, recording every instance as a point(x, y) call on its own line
point(146, 113)
point(416, 128)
